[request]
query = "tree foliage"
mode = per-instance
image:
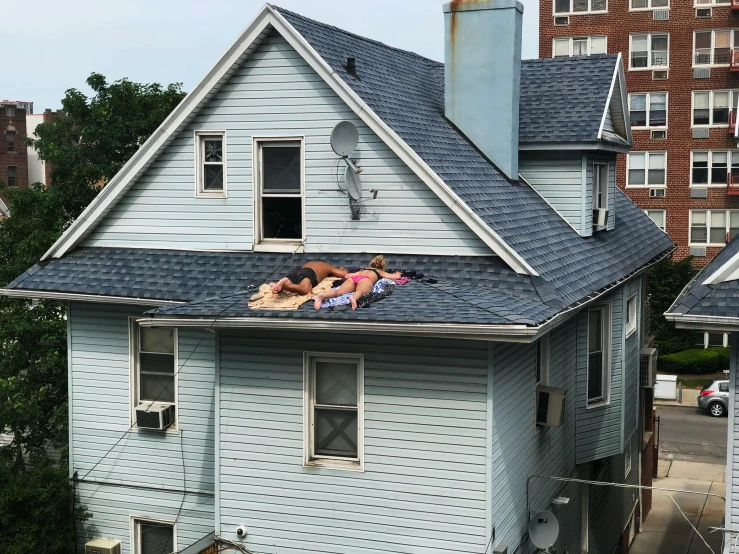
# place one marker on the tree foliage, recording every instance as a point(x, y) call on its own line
point(86, 146)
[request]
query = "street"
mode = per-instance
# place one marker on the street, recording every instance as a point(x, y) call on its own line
point(689, 434)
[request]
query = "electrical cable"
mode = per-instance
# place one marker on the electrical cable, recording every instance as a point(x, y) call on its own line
point(690, 522)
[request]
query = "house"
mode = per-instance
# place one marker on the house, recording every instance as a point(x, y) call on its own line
point(407, 426)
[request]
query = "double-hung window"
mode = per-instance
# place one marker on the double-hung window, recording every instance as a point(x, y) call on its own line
point(599, 346)
point(600, 186)
point(712, 107)
point(646, 169)
point(334, 407)
point(10, 140)
point(649, 4)
point(579, 46)
point(712, 167)
point(699, 3)
point(713, 227)
point(11, 176)
point(649, 51)
point(279, 192)
point(713, 47)
point(579, 6)
point(210, 160)
point(631, 315)
point(542, 361)
point(658, 217)
point(647, 110)
point(155, 364)
point(153, 537)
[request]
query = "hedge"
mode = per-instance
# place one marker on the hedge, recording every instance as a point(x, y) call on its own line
point(695, 361)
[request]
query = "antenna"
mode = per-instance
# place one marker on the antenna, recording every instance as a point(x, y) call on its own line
point(344, 141)
point(543, 530)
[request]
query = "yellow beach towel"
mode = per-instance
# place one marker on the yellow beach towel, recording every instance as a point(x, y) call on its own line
point(265, 299)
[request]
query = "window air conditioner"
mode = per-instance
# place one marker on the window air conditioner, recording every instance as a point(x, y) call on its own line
point(600, 217)
point(659, 135)
point(659, 75)
point(155, 415)
point(103, 546)
point(550, 406)
point(562, 20)
point(703, 12)
point(656, 193)
point(647, 367)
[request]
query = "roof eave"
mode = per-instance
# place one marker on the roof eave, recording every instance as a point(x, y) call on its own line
point(595, 145)
point(703, 322)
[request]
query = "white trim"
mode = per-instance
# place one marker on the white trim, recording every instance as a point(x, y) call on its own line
point(571, 43)
point(713, 47)
point(624, 98)
point(709, 215)
point(650, 8)
point(648, 96)
point(724, 272)
point(310, 460)
point(649, 66)
point(606, 309)
point(663, 228)
point(134, 519)
point(207, 87)
point(711, 4)
point(555, 13)
point(732, 93)
point(77, 297)
point(199, 137)
point(731, 154)
point(608, 103)
point(631, 326)
point(702, 322)
point(579, 146)
point(647, 154)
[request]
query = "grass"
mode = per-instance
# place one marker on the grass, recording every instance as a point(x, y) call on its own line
point(694, 383)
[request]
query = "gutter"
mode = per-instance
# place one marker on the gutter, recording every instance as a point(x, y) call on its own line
point(703, 322)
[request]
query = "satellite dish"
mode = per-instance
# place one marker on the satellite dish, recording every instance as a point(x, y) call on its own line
point(352, 184)
point(344, 138)
point(543, 529)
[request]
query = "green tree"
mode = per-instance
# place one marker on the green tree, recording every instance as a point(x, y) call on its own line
point(85, 146)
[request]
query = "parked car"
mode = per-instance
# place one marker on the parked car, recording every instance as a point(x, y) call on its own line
point(714, 398)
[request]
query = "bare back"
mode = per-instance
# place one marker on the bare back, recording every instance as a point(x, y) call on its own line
point(324, 270)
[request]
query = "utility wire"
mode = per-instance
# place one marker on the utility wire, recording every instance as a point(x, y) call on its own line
point(689, 522)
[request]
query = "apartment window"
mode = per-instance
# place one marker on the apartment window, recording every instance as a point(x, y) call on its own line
point(9, 111)
point(579, 6)
point(648, 109)
point(280, 191)
point(334, 398)
point(712, 2)
point(658, 217)
point(10, 139)
point(649, 4)
point(211, 163)
point(11, 176)
point(542, 361)
point(153, 537)
point(631, 314)
point(155, 355)
point(711, 167)
point(712, 227)
point(712, 107)
point(598, 353)
point(713, 47)
point(579, 46)
point(649, 50)
point(647, 169)
point(600, 186)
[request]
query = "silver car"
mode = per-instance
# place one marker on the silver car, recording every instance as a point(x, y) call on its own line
point(714, 398)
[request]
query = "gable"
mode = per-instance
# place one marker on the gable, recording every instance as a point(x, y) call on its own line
point(275, 92)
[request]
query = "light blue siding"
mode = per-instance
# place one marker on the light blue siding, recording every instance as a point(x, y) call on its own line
point(276, 93)
point(632, 346)
point(423, 488)
point(608, 123)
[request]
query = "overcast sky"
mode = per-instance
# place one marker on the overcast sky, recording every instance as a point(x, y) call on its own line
point(169, 41)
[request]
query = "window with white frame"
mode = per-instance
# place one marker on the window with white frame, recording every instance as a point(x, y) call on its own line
point(712, 107)
point(210, 161)
point(155, 361)
point(279, 189)
point(334, 404)
point(153, 537)
point(649, 4)
point(600, 186)
point(702, 3)
point(647, 110)
point(649, 51)
point(646, 169)
point(711, 340)
point(631, 315)
point(542, 361)
point(627, 456)
point(579, 6)
point(579, 46)
point(713, 47)
point(712, 227)
point(712, 167)
point(599, 346)
point(658, 217)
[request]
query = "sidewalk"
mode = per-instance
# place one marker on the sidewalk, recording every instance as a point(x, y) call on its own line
point(666, 530)
point(690, 399)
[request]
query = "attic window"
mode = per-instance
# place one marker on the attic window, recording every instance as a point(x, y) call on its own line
point(210, 154)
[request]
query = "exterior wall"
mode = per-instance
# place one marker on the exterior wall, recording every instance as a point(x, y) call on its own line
point(147, 473)
point(18, 158)
point(275, 92)
point(617, 24)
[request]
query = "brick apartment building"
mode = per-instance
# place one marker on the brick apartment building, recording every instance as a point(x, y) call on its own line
point(683, 93)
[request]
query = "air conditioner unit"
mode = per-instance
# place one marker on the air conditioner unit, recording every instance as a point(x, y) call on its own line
point(656, 193)
point(550, 406)
point(659, 135)
point(647, 367)
point(659, 75)
point(703, 12)
point(103, 546)
point(156, 415)
point(562, 20)
point(600, 217)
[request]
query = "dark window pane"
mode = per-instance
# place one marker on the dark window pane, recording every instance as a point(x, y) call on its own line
point(156, 538)
point(282, 218)
point(580, 5)
point(157, 339)
point(281, 166)
point(701, 116)
point(638, 118)
point(157, 363)
point(336, 433)
point(700, 175)
point(156, 388)
point(639, 59)
point(721, 55)
point(720, 115)
point(214, 150)
point(716, 339)
point(10, 136)
point(595, 376)
point(598, 5)
point(656, 176)
point(636, 4)
point(703, 39)
point(213, 177)
point(698, 234)
point(336, 383)
point(562, 6)
point(657, 118)
point(11, 176)
point(718, 174)
point(718, 235)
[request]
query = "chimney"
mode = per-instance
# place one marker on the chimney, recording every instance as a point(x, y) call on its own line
point(483, 75)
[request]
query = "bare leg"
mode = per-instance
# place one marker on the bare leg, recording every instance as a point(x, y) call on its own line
point(305, 287)
point(277, 287)
point(346, 287)
point(363, 287)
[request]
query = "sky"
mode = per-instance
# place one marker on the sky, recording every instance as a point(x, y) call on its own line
point(168, 41)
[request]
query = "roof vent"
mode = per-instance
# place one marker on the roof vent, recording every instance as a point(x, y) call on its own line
point(351, 65)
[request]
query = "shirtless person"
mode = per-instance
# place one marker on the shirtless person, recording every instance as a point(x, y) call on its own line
point(301, 280)
point(359, 283)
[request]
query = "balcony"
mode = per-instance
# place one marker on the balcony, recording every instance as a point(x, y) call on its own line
point(732, 184)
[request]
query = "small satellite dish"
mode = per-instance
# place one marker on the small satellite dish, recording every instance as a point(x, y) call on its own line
point(352, 184)
point(344, 138)
point(544, 529)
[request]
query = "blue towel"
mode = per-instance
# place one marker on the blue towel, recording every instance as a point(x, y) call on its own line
point(343, 300)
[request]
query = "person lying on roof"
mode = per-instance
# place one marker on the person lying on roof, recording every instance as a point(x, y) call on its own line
point(301, 280)
point(359, 283)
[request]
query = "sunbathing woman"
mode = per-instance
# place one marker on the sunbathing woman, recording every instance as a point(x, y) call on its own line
point(359, 283)
point(301, 280)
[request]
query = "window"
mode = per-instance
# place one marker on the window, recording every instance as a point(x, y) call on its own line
point(710, 340)
point(579, 6)
point(649, 50)
point(712, 2)
point(600, 186)
point(11, 176)
point(723, 387)
point(648, 109)
point(334, 403)
point(649, 4)
point(10, 138)
point(598, 353)
point(579, 46)
point(210, 160)
point(712, 107)
point(280, 191)
point(631, 315)
point(711, 227)
point(153, 537)
point(658, 216)
point(713, 47)
point(9, 111)
point(627, 456)
point(646, 169)
point(711, 168)
point(155, 358)
point(542, 361)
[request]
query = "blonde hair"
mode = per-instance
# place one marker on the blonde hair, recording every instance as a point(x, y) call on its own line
point(378, 262)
